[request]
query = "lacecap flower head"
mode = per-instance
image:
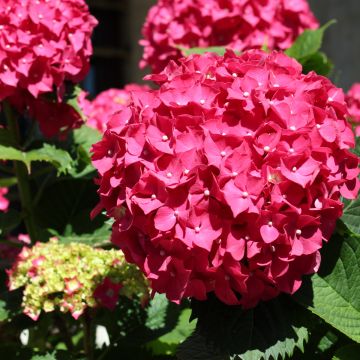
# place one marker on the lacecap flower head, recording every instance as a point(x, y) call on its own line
point(43, 44)
point(228, 178)
point(107, 103)
point(353, 102)
point(240, 25)
point(72, 277)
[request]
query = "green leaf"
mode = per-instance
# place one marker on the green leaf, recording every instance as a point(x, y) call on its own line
point(220, 50)
point(45, 357)
point(349, 352)
point(65, 207)
point(83, 139)
point(351, 215)
point(71, 98)
point(334, 293)
point(97, 238)
point(4, 313)
point(86, 137)
point(7, 182)
point(167, 344)
point(48, 153)
point(317, 62)
point(309, 42)
point(273, 330)
point(10, 305)
point(356, 150)
point(156, 312)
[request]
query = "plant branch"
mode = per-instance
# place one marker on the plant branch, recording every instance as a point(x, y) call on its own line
point(22, 176)
point(88, 335)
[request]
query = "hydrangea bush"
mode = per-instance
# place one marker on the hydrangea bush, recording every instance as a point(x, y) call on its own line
point(231, 175)
point(73, 277)
point(227, 190)
point(240, 25)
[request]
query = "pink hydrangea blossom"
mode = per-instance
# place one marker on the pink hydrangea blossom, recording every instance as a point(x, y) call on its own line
point(4, 202)
point(353, 102)
point(107, 293)
point(43, 44)
point(240, 25)
point(228, 178)
point(106, 104)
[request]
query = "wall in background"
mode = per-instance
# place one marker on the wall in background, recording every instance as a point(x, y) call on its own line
point(342, 42)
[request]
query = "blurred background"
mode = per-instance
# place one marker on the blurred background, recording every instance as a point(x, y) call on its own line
point(117, 52)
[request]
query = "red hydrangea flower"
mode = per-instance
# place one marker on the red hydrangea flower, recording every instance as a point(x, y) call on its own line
point(107, 294)
point(4, 202)
point(43, 43)
point(106, 104)
point(240, 25)
point(228, 178)
point(353, 102)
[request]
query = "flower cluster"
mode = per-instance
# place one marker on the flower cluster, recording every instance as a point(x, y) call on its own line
point(353, 102)
point(4, 202)
point(228, 178)
point(240, 25)
point(106, 104)
point(43, 44)
point(72, 277)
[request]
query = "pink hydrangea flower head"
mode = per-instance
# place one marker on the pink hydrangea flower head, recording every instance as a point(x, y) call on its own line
point(227, 178)
point(107, 293)
point(42, 44)
point(106, 104)
point(239, 25)
point(4, 202)
point(353, 102)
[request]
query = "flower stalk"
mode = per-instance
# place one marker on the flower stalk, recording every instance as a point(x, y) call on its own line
point(22, 176)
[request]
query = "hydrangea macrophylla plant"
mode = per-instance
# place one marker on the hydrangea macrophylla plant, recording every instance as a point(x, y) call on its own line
point(4, 202)
point(43, 44)
point(84, 277)
point(241, 25)
point(228, 178)
point(106, 104)
point(353, 102)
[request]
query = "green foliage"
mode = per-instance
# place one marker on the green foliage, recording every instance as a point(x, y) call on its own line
point(60, 159)
point(319, 63)
point(4, 313)
point(309, 42)
point(306, 49)
point(219, 50)
point(45, 357)
point(65, 207)
point(273, 329)
point(97, 238)
point(167, 344)
point(334, 294)
point(83, 139)
point(71, 97)
point(351, 216)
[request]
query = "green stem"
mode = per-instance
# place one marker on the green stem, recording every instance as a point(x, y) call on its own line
point(88, 335)
point(22, 176)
